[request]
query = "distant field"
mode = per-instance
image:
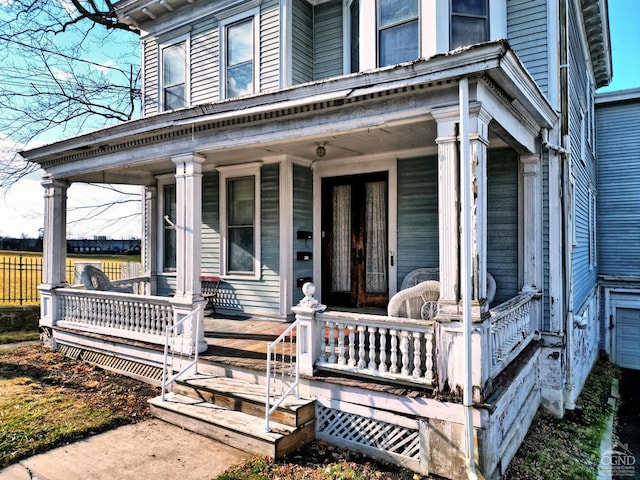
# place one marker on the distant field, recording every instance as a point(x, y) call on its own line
point(21, 273)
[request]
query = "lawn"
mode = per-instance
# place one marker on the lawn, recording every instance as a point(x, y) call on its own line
point(47, 400)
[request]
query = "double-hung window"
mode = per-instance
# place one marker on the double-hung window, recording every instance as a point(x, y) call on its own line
point(240, 220)
point(398, 31)
point(239, 55)
point(168, 227)
point(469, 22)
point(174, 75)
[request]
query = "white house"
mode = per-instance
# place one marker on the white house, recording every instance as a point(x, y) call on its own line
point(362, 146)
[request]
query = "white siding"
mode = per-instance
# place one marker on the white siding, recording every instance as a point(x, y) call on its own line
point(205, 65)
point(327, 61)
point(150, 100)
point(302, 61)
point(269, 45)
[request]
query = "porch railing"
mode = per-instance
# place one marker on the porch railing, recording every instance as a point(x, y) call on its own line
point(398, 349)
point(283, 371)
point(181, 348)
point(511, 329)
point(136, 317)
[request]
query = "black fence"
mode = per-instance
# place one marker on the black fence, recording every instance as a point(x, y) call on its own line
point(20, 276)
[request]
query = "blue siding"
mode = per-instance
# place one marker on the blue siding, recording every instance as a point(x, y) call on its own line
point(210, 249)
point(502, 222)
point(418, 234)
point(327, 40)
point(302, 33)
point(618, 127)
point(527, 35)
point(302, 220)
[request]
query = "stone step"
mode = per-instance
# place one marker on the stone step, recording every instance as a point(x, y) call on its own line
point(235, 428)
point(235, 394)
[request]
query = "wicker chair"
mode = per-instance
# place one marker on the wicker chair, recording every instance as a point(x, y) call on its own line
point(418, 301)
point(424, 274)
point(94, 279)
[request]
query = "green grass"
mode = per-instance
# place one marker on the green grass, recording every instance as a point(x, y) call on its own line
point(18, 336)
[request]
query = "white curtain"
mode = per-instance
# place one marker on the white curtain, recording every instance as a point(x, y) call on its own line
point(376, 234)
point(341, 254)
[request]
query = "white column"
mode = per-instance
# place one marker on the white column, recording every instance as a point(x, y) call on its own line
point(150, 237)
point(188, 223)
point(55, 232)
point(448, 209)
point(532, 223)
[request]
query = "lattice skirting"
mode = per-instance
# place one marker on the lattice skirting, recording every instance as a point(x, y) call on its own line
point(146, 373)
point(374, 437)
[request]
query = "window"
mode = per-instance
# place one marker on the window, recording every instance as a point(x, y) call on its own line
point(173, 75)
point(469, 22)
point(240, 220)
point(169, 232)
point(354, 37)
point(398, 31)
point(239, 60)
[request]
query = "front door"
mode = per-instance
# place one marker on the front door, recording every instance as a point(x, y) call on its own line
point(354, 241)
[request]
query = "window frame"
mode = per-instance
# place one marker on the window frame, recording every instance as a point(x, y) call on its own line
point(252, 14)
point(379, 29)
point(186, 38)
point(486, 17)
point(230, 173)
point(164, 182)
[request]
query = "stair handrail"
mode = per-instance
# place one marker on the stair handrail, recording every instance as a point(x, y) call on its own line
point(293, 379)
point(192, 349)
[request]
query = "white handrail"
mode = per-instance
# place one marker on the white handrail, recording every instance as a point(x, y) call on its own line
point(192, 347)
point(292, 379)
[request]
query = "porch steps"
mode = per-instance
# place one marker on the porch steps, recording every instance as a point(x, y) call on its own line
point(232, 411)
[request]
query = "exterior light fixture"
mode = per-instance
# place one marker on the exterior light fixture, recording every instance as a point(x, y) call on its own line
point(320, 150)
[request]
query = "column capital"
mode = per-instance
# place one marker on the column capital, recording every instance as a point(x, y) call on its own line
point(530, 164)
point(48, 182)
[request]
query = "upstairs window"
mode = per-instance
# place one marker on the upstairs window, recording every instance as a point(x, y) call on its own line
point(239, 58)
point(398, 31)
point(469, 22)
point(173, 75)
point(354, 38)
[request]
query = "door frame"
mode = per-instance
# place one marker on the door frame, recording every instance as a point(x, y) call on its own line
point(627, 298)
point(342, 167)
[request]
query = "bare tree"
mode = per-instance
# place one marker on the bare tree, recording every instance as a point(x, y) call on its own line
point(66, 66)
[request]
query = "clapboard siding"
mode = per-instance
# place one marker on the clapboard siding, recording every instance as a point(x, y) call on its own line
point(327, 40)
point(502, 222)
point(210, 249)
point(150, 77)
point(302, 33)
point(583, 167)
point(205, 65)
point(418, 233)
point(618, 127)
point(269, 45)
point(527, 34)
point(302, 220)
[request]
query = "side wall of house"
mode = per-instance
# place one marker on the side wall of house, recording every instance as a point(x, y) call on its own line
point(302, 222)
point(328, 40)
point(302, 39)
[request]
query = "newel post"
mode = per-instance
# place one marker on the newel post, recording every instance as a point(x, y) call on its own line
point(310, 334)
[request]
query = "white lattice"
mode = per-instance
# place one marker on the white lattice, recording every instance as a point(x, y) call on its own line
point(368, 432)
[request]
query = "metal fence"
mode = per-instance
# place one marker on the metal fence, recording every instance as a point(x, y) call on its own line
point(20, 276)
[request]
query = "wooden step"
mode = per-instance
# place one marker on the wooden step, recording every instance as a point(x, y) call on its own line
point(237, 429)
point(242, 396)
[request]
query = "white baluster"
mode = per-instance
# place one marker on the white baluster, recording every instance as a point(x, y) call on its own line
point(394, 351)
point(352, 346)
point(323, 341)
point(372, 348)
point(417, 361)
point(362, 362)
point(428, 374)
point(404, 350)
point(341, 357)
point(332, 342)
point(383, 349)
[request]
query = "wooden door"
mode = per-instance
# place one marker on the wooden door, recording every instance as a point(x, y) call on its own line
point(354, 241)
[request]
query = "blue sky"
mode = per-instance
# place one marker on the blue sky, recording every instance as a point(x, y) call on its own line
point(21, 209)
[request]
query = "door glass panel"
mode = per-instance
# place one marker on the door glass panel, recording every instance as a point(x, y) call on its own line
point(376, 238)
point(341, 248)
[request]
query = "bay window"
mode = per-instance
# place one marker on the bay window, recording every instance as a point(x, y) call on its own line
point(174, 74)
point(239, 56)
point(469, 22)
point(398, 31)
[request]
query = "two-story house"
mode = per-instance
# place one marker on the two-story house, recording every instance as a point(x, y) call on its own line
point(365, 146)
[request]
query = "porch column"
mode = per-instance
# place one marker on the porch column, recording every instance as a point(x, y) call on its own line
point(188, 224)
point(448, 207)
point(54, 253)
point(479, 120)
point(150, 237)
point(188, 241)
point(532, 223)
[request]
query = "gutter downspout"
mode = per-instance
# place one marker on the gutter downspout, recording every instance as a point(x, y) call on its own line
point(465, 193)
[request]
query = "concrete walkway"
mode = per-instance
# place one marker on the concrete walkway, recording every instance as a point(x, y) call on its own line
point(149, 450)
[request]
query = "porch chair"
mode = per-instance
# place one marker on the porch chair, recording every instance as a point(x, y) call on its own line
point(418, 301)
point(94, 279)
point(210, 286)
point(423, 274)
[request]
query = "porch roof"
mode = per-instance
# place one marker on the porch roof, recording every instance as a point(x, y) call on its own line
point(78, 157)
